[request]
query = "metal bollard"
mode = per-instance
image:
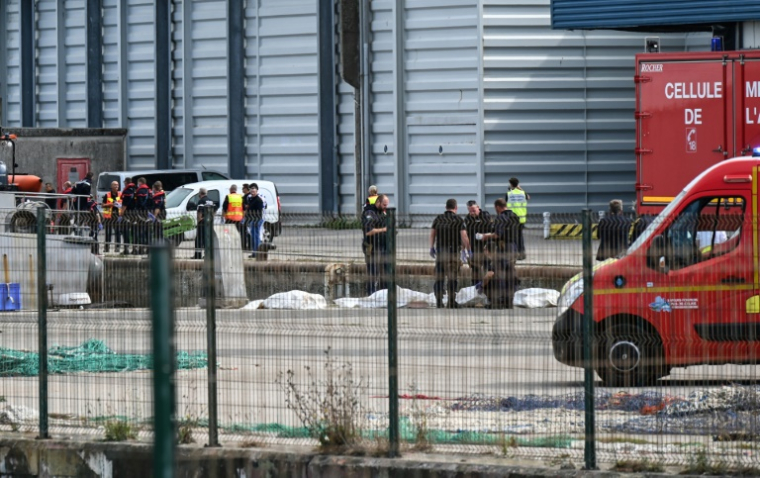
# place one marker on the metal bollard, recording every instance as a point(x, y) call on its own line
point(547, 225)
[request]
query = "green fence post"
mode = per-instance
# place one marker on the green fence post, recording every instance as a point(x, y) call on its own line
point(393, 420)
point(42, 319)
point(210, 279)
point(164, 360)
point(588, 359)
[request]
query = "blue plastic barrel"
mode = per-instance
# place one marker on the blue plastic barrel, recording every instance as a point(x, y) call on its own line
point(10, 301)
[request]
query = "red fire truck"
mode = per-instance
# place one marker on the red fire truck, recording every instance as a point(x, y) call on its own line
point(687, 291)
point(692, 110)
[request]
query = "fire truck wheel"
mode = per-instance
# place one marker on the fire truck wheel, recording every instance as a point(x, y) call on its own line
point(631, 356)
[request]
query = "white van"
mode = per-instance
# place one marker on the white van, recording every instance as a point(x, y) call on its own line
point(171, 179)
point(184, 201)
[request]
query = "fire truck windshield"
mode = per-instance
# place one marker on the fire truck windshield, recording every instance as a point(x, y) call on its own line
point(657, 221)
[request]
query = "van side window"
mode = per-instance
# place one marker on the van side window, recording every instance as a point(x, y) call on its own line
point(212, 176)
point(707, 228)
point(213, 194)
point(171, 181)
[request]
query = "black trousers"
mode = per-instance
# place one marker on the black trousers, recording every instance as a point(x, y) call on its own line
point(446, 271)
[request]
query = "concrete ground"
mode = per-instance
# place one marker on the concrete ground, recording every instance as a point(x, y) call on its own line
point(328, 245)
point(446, 358)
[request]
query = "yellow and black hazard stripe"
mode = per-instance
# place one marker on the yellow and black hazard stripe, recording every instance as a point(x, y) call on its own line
point(570, 231)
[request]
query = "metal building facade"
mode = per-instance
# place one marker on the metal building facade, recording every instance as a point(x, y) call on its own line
point(596, 14)
point(463, 94)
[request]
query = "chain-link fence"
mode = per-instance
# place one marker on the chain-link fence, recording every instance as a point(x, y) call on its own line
point(300, 329)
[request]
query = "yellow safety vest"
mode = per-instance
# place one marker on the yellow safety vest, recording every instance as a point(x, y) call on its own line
point(234, 210)
point(371, 199)
point(108, 204)
point(517, 201)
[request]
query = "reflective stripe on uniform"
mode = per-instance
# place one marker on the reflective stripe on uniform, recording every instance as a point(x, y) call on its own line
point(108, 205)
point(234, 210)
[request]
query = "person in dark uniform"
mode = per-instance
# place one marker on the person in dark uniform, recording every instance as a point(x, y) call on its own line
point(374, 244)
point(91, 218)
point(477, 221)
point(254, 209)
point(200, 232)
point(503, 251)
point(142, 208)
point(613, 232)
point(448, 237)
point(640, 225)
point(158, 211)
point(493, 285)
point(51, 202)
point(128, 214)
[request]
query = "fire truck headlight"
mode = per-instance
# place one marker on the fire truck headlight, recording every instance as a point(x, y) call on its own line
point(569, 296)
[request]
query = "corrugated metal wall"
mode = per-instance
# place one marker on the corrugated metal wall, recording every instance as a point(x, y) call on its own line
point(11, 67)
point(559, 108)
point(464, 94)
point(200, 84)
point(441, 99)
point(595, 14)
point(283, 55)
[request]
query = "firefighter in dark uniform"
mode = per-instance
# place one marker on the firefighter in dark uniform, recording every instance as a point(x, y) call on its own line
point(504, 246)
point(374, 244)
point(127, 213)
point(142, 208)
point(158, 211)
point(200, 232)
point(91, 218)
point(477, 221)
point(448, 244)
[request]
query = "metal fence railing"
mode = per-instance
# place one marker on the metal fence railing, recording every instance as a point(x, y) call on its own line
point(305, 355)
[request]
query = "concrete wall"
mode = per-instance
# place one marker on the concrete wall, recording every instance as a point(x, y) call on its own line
point(50, 458)
point(37, 149)
point(262, 279)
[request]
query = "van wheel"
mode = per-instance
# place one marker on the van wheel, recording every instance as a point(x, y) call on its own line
point(630, 356)
point(268, 234)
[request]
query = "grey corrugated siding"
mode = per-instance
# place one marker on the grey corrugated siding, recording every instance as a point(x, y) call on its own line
point(346, 162)
point(284, 121)
point(382, 160)
point(141, 91)
point(200, 100)
point(12, 46)
point(559, 108)
point(441, 101)
point(596, 14)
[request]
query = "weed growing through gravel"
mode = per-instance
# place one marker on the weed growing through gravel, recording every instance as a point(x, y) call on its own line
point(419, 421)
point(119, 430)
point(329, 408)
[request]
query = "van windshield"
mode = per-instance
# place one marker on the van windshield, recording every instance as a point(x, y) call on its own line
point(656, 223)
point(175, 198)
point(105, 180)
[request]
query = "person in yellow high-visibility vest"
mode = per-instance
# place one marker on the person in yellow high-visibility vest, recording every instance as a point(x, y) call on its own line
point(232, 209)
point(517, 201)
point(370, 201)
point(110, 206)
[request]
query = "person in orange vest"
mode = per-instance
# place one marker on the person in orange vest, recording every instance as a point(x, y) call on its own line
point(110, 206)
point(232, 209)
